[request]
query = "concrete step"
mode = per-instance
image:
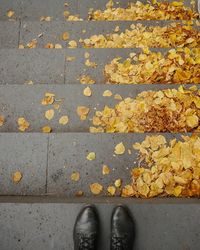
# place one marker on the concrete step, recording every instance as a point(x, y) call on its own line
point(44, 223)
point(46, 162)
point(25, 101)
point(34, 9)
point(53, 66)
point(22, 33)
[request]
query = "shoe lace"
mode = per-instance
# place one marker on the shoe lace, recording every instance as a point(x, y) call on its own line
point(86, 242)
point(119, 243)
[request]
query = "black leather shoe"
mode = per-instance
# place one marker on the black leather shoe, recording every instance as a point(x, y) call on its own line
point(122, 229)
point(86, 229)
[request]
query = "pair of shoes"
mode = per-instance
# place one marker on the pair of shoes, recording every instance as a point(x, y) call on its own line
point(86, 229)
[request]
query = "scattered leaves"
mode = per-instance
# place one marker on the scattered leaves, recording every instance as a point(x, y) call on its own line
point(86, 79)
point(107, 93)
point(178, 66)
point(111, 190)
point(168, 168)
point(145, 11)
point(168, 110)
point(173, 35)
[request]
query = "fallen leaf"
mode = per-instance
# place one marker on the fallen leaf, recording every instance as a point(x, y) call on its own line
point(120, 149)
point(75, 176)
point(65, 36)
point(2, 120)
point(96, 188)
point(91, 156)
point(111, 190)
point(64, 120)
point(16, 177)
point(23, 124)
point(49, 114)
point(118, 183)
point(87, 91)
point(46, 129)
point(105, 170)
point(10, 13)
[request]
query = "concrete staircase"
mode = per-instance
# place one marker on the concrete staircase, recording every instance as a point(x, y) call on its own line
point(39, 211)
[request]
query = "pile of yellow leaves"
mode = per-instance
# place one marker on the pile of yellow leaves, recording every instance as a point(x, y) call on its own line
point(178, 66)
point(145, 11)
point(168, 110)
point(174, 35)
point(170, 168)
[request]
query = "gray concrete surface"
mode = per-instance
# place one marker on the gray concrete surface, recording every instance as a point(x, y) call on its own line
point(39, 66)
point(9, 34)
point(27, 154)
point(159, 225)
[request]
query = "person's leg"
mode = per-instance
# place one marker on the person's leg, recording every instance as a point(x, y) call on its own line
point(122, 229)
point(86, 229)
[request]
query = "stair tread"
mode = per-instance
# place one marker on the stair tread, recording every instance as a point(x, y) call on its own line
point(13, 105)
point(51, 66)
point(47, 161)
point(34, 9)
